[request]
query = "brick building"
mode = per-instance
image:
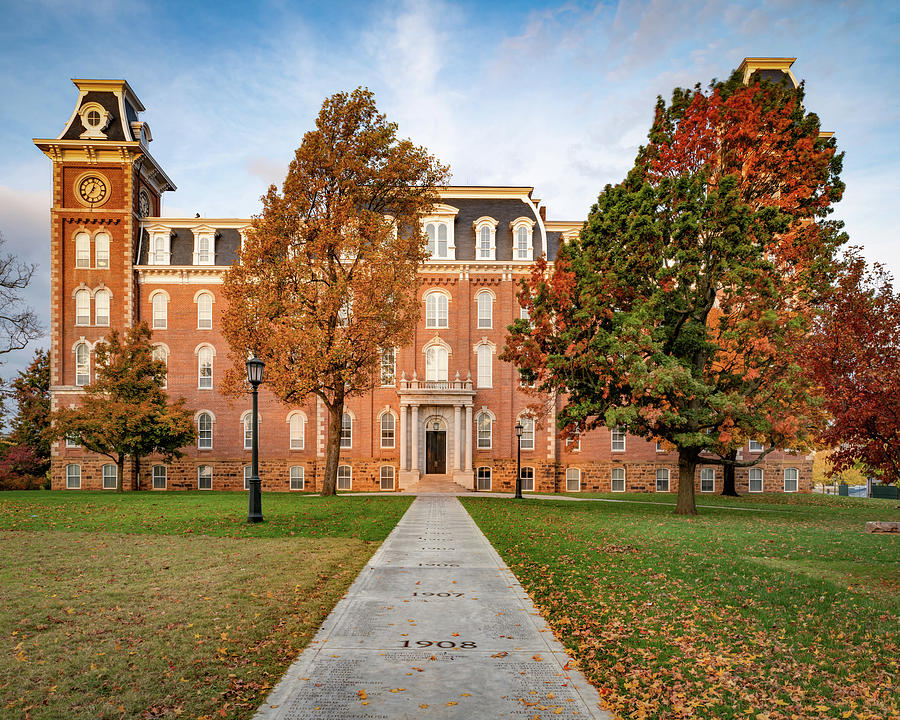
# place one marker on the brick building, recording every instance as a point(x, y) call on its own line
point(445, 406)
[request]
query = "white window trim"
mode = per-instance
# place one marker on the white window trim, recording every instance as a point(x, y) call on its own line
point(491, 224)
point(158, 233)
point(303, 420)
point(514, 226)
point(381, 415)
point(80, 292)
point(212, 365)
point(165, 476)
point(212, 428)
point(245, 417)
point(349, 445)
point(762, 480)
point(624, 479)
point(612, 440)
point(85, 234)
point(87, 375)
point(437, 316)
point(441, 344)
point(246, 471)
point(212, 301)
point(73, 487)
point(445, 214)
point(759, 447)
point(521, 418)
point(103, 476)
point(96, 247)
point(708, 470)
point(493, 419)
point(490, 478)
point(577, 470)
point(393, 381)
point(302, 469)
point(668, 473)
point(350, 474)
point(204, 232)
point(165, 320)
point(107, 293)
point(796, 479)
point(381, 478)
point(211, 475)
point(484, 292)
point(522, 470)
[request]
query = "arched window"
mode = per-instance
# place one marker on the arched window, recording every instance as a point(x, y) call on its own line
point(387, 477)
point(247, 469)
point(101, 307)
point(73, 477)
point(205, 368)
point(344, 477)
point(83, 307)
point(522, 243)
point(347, 431)
point(388, 366)
point(160, 311)
point(791, 479)
point(82, 364)
point(247, 423)
point(101, 250)
point(160, 354)
point(109, 474)
point(485, 309)
point(438, 248)
point(159, 477)
point(527, 440)
point(82, 250)
point(204, 477)
point(204, 431)
point(297, 425)
point(573, 479)
point(484, 478)
point(436, 364)
point(297, 477)
point(204, 311)
point(484, 424)
point(387, 430)
point(484, 243)
point(617, 479)
point(485, 366)
point(435, 310)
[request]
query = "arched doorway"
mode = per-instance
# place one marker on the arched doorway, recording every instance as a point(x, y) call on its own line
point(435, 446)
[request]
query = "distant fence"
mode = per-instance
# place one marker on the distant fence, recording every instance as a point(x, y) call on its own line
point(889, 492)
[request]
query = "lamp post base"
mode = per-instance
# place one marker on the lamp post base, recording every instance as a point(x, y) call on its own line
point(254, 514)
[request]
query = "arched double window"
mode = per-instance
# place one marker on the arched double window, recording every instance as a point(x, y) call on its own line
point(436, 309)
point(436, 363)
point(101, 250)
point(101, 307)
point(82, 250)
point(83, 307)
point(82, 364)
point(438, 240)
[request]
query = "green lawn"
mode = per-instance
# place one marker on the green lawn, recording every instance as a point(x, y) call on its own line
point(786, 614)
point(165, 605)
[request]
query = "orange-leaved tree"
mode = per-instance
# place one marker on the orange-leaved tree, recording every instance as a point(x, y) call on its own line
point(677, 311)
point(327, 275)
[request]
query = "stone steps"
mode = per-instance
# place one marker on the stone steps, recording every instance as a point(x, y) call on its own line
point(438, 484)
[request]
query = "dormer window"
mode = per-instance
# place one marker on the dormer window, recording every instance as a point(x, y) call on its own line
point(485, 238)
point(160, 239)
point(439, 232)
point(204, 246)
point(522, 233)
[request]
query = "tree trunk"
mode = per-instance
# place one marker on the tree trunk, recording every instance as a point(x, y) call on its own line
point(728, 471)
point(136, 474)
point(333, 447)
point(687, 465)
point(120, 473)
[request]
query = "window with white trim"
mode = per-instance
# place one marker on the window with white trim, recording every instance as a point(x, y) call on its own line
point(755, 480)
point(436, 310)
point(82, 250)
point(388, 367)
point(524, 315)
point(82, 364)
point(247, 470)
point(101, 308)
point(101, 250)
point(485, 238)
point(159, 242)
point(344, 477)
point(756, 447)
point(662, 480)
point(438, 241)
point(526, 442)
point(573, 479)
point(436, 364)
point(573, 442)
point(791, 480)
point(159, 477)
point(82, 307)
point(485, 302)
point(527, 479)
point(73, 477)
point(387, 477)
point(485, 366)
point(204, 311)
point(484, 478)
point(204, 248)
point(297, 428)
point(617, 439)
point(617, 479)
point(205, 368)
point(347, 431)
point(160, 311)
point(523, 243)
point(297, 477)
point(110, 474)
point(345, 313)
point(204, 431)
point(707, 480)
point(248, 429)
point(387, 430)
point(204, 477)
point(72, 441)
point(484, 425)
point(160, 354)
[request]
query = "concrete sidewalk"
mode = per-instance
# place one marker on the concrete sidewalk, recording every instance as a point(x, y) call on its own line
point(436, 625)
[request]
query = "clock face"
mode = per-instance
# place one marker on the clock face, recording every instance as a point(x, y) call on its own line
point(143, 204)
point(93, 190)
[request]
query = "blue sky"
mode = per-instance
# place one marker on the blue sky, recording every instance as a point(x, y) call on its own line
point(552, 95)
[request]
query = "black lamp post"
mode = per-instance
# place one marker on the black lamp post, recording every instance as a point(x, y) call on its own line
point(255, 368)
point(519, 431)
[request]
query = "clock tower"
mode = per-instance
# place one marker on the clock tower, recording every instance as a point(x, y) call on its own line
point(104, 181)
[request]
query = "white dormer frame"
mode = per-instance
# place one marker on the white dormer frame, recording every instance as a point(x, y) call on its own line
point(528, 224)
point(204, 235)
point(485, 221)
point(160, 250)
point(442, 214)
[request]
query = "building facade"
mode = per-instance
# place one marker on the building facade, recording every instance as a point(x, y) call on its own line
point(444, 406)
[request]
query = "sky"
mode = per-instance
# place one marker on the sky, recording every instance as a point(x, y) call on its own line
point(553, 95)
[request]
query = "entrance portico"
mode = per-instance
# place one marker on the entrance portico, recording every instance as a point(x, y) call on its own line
point(435, 429)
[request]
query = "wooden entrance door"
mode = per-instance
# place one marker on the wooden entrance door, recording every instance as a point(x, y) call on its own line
point(435, 452)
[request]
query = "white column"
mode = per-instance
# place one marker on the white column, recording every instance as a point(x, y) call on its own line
point(414, 445)
point(457, 435)
point(403, 465)
point(468, 438)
